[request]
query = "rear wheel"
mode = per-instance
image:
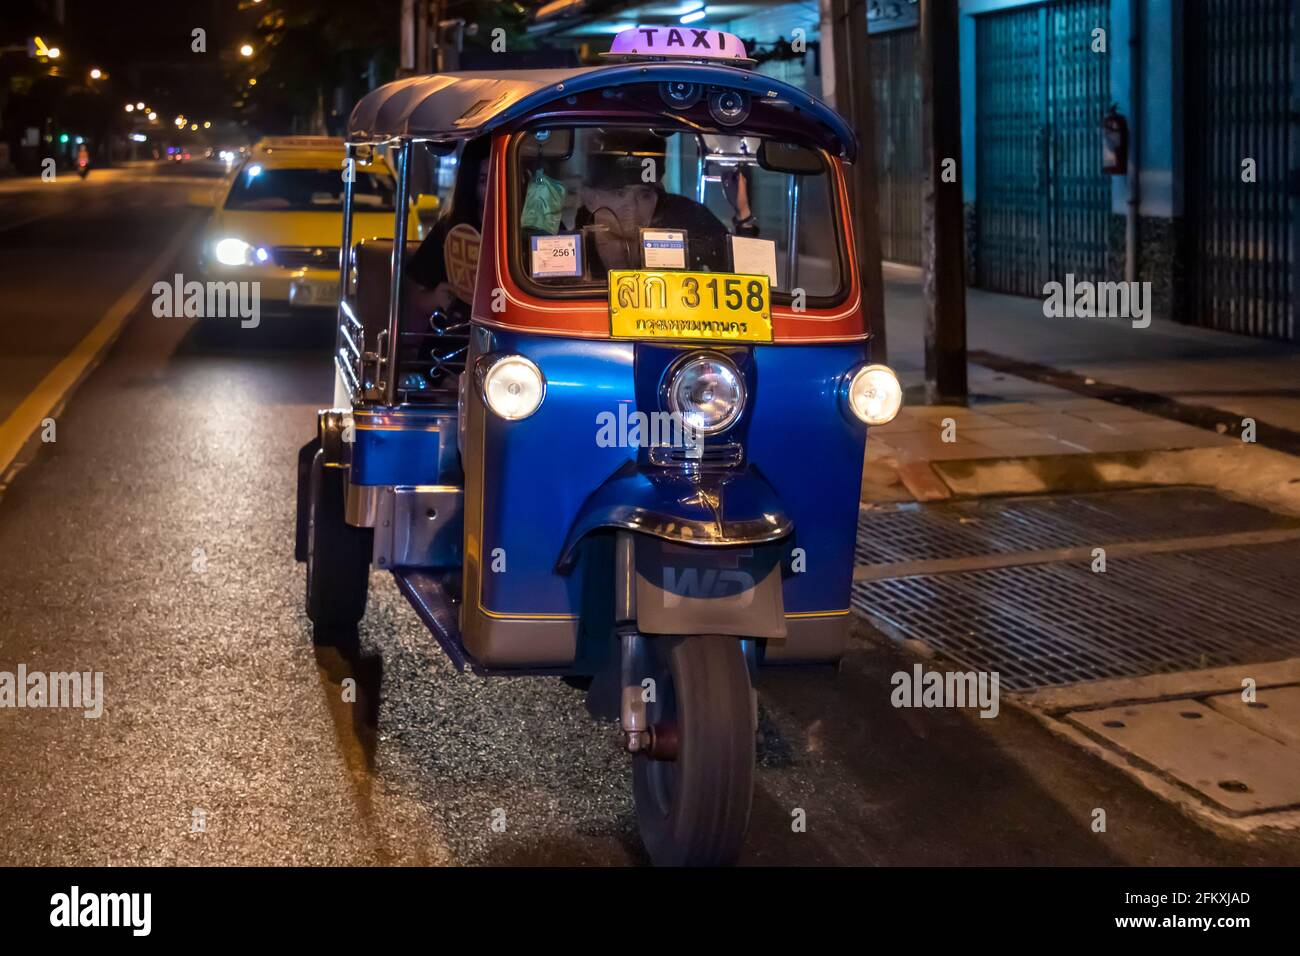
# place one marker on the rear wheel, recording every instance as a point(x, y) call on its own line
point(338, 559)
point(694, 810)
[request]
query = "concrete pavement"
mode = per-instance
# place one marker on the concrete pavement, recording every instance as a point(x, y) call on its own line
point(1239, 374)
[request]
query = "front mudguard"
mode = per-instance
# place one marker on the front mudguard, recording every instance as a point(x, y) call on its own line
point(717, 509)
point(707, 551)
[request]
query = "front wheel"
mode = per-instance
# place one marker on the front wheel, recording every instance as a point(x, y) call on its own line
point(694, 810)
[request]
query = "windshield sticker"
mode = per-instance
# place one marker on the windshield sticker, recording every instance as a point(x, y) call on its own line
point(754, 257)
point(663, 248)
point(557, 256)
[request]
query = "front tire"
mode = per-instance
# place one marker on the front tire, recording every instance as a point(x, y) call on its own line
point(694, 810)
point(338, 559)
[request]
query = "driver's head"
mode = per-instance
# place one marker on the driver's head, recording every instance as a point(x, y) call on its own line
point(623, 176)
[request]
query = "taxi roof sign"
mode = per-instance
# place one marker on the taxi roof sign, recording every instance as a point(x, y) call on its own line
point(656, 42)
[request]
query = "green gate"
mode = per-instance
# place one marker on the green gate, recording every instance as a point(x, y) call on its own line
point(1243, 103)
point(1043, 205)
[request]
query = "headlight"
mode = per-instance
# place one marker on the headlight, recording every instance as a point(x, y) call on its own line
point(875, 395)
point(707, 392)
point(512, 387)
point(233, 252)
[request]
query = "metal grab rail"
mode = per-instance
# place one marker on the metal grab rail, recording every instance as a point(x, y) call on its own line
point(401, 203)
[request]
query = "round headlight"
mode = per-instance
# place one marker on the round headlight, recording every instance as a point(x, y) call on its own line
point(708, 393)
point(513, 387)
point(232, 252)
point(875, 395)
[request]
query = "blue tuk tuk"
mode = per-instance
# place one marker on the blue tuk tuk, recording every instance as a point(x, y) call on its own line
point(606, 420)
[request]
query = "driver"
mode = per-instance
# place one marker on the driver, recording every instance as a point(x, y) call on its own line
point(624, 193)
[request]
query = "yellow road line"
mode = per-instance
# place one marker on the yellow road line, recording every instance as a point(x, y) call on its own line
point(23, 422)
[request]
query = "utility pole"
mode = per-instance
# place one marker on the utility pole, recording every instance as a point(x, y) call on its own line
point(847, 85)
point(943, 228)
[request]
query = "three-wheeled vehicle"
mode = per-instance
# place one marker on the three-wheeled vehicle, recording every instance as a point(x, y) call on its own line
point(607, 421)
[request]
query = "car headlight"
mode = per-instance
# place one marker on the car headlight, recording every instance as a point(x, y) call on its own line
point(875, 395)
point(707, 392)
point(233, 252)
point(512, 386)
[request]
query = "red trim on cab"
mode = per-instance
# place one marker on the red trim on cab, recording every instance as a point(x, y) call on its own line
point(589, 318)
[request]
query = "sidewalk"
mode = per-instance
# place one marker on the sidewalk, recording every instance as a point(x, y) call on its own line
point(1130, 577)
point(926, 451)
point(1236, 373)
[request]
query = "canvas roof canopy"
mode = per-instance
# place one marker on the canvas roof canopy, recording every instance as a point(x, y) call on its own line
point(453, 106)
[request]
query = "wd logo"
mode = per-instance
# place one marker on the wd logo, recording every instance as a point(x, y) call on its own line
point(709, 583)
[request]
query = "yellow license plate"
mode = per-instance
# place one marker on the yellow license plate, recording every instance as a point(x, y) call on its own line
point(707, 306)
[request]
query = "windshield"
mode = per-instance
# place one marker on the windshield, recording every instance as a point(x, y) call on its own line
point(258, 189)
point(593, 199)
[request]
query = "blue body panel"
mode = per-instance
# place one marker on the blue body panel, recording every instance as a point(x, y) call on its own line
point(405, 449)
point(539, 472)
point(811, 454)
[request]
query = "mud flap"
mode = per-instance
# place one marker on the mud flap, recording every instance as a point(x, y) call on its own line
point(305, 455)
point(709, 590)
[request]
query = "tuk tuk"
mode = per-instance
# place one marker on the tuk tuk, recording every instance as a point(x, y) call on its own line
point(607, 421)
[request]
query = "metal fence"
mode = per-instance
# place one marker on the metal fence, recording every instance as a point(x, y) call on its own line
point(1243, 118)
point(1043, 204)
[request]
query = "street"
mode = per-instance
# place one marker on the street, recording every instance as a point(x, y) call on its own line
point(152, 540)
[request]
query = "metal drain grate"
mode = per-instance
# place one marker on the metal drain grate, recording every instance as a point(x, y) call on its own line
point(1051, 624)
point(1042, 625)
point(911, 532)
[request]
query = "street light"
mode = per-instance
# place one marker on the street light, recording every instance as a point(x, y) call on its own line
point(207, 125)
point(96, 73)
point(245, 50)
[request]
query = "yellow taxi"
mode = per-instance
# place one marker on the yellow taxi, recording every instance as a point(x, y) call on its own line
point(278, 221)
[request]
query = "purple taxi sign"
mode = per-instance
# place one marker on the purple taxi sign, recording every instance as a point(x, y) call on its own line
point(685, 42)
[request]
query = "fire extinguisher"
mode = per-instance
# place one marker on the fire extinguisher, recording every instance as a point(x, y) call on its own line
point(1114, 143)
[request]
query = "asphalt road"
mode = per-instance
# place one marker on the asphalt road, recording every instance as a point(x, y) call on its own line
point(153, 541)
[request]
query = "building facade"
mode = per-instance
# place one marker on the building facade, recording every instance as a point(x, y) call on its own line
point(1209, 94)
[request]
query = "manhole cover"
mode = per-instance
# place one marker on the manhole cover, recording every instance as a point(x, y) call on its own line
point(1231, 765)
